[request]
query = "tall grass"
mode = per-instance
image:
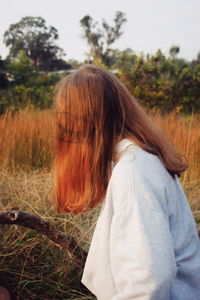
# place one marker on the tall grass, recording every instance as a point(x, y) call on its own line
point(30, 265)
point(27, 140)
point(184, 133)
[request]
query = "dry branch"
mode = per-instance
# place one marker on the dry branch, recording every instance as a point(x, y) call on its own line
point(44, 227)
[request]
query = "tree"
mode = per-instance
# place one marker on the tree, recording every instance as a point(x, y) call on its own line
point(75, 64)
point(3, 78)
point(100, 39)
point(160, 82)
point(21, 69)
point(37, 40)
point(173, 51)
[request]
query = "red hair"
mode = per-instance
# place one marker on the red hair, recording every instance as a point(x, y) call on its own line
point(94, 112)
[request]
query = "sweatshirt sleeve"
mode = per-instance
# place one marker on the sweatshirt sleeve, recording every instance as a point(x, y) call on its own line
point(141, 247)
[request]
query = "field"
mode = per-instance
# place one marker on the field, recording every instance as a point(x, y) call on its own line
point(31, 266)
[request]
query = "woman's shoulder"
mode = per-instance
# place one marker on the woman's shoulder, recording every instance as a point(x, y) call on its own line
point(139, 176)
point(134, 161)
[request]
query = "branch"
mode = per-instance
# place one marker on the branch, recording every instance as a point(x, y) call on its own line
point(46, 228)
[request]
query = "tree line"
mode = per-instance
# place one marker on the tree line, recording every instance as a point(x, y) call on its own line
point(35, 63)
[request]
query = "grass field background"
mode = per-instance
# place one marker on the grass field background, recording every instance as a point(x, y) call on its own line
point(30, 265)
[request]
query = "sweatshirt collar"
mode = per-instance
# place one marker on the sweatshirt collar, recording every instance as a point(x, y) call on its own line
point(122, 145)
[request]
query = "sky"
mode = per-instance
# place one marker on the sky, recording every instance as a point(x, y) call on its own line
point(151, 24)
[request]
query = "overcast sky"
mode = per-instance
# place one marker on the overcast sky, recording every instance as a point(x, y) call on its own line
point(151, 24)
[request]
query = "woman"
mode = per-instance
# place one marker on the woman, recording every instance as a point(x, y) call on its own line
point(145, 244)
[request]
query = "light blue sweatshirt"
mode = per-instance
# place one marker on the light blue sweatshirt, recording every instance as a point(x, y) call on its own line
point(145, 245)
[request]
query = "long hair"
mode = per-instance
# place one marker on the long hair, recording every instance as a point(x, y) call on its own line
point(94, 112)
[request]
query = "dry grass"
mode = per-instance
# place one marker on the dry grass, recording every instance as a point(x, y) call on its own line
point(26, 140)
point(30, 265)
point(184, 132)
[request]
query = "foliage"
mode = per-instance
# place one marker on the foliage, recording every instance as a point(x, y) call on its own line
point(20, 70)
point(3, 78)
point(75, 64)
point(161, 82)
point(37, 95)
point(32, 35)
point(173, 51)
point(26, 88)
point(100, 39)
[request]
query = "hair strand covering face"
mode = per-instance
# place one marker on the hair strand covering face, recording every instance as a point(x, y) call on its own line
point(94, 112)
